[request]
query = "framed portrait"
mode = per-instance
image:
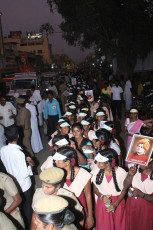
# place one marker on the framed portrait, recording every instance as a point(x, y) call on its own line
point(89, 94)
point(73, 81)
point(140, 150)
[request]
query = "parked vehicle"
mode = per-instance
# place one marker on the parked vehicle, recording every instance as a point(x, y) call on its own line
point(23, 82)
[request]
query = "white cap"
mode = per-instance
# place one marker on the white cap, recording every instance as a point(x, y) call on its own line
point(101, 158)
point(72, 102)
point(83, 122)
point(82, 114)
point(72, 106)
point(68, 113)
point(61, 119)
point(64, 124)
point(106, 127)
point(93, 136)
point(100, 114)
point(133, 111)
point(86, 109)
point(87, 150)
point(62, 142)
point(59, 157)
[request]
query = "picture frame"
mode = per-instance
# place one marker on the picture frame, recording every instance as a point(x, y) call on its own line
point(140, 150)
point(89, 94)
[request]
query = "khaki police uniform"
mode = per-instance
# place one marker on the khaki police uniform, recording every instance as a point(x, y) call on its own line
point(53, 176)
point(61, 192)
point(5, 223)
point(54, 205)
point(69, 227)
point(62, 88)
point(23, 122)
point(8, 186)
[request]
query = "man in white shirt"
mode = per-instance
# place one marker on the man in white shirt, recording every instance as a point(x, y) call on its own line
point(53, 88)
point(7, 112)
point(117, 93)
point(128, 95)
point(15, 163)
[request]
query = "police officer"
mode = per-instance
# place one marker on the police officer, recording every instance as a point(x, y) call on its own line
point(24, 124)
point(12, 199)
point(52, 213)
point(52, 182)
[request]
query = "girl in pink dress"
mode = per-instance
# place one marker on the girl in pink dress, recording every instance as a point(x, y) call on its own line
point(108, 186)
point(77, 181)
point(139, 205)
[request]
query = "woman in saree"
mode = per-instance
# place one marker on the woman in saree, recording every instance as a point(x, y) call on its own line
point(132, 125)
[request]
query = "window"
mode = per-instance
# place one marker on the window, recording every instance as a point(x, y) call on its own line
point(23, 83)
point(32, 51)
point(39, 51)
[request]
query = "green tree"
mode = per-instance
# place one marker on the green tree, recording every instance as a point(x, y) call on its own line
point(121, 28)
point(47, 28)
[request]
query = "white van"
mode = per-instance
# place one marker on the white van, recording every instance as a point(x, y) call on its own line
point(23, 82)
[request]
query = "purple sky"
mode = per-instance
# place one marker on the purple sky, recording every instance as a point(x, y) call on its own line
point(29, 15)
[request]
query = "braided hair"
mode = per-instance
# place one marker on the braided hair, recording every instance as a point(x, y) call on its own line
point(111, 155)
point(115, 180)
point(100, 176)
point(71, 156)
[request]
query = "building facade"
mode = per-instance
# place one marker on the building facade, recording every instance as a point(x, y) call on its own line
point(33, 43)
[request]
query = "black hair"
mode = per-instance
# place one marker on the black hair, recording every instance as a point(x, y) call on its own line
point(70, 154)
point(151, 175)
point(65, 120)
point(3, 96)
point(50, 92)
point(11, 133)
point(59, 183)
point(88, 119)
point(73, 114)
point(33, 87)
point(145, 131)
point(77, 124)
point(110, 154)
point(59, 220)
point(104, 98)
point(103, 136)
point(58, 138)
point(111, 125)
point(85, 141)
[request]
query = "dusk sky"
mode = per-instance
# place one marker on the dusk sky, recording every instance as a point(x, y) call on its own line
point(29, 15)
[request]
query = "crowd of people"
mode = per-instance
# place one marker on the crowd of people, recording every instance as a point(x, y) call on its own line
point(86, 182)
